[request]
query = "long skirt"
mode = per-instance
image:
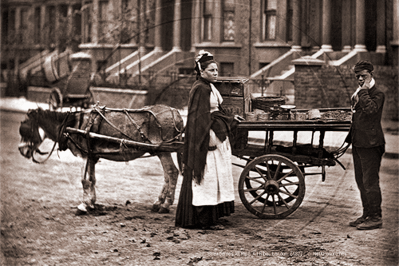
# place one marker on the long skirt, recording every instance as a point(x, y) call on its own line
point(201, 205)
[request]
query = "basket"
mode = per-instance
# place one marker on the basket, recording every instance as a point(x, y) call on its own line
point(251, 116)
point(267, 102)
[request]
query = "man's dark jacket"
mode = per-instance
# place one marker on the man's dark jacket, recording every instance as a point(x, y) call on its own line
point(366, 130)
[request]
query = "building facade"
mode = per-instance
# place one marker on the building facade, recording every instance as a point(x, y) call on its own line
point(247, 37)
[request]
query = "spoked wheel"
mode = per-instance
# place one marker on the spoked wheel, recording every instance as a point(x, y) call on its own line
point(271, 186)
point(55, 100)
point(269, 202)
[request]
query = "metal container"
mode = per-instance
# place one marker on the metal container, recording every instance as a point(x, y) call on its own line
point(314, 114)
point(264, 116)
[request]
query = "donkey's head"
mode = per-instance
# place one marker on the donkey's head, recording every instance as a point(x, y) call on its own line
point(31, 136)
point(41, 124)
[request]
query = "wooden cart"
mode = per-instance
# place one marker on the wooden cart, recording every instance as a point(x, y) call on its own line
point(272, 183)
point(71, 82)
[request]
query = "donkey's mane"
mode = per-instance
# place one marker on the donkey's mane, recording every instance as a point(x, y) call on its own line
point(59, 116)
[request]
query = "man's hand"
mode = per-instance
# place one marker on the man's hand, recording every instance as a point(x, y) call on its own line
point(366, 84)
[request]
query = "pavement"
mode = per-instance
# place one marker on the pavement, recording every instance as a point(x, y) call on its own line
point(332, 140)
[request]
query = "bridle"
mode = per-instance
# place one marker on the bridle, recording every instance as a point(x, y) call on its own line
point(31, 144)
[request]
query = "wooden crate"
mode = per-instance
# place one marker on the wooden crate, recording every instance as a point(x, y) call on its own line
point(234, 105)
point(235, 93)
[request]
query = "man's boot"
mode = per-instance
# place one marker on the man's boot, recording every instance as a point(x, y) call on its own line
point(372, 222)
point(358, 221)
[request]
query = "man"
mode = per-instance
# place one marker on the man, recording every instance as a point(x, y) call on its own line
point(368, 145)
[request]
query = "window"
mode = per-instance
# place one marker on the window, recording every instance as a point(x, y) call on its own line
point(24, 33)
point(262, 65)
point(289, 20)
point(102, 19)
point(228, 20)
point(77, 23)
point(86, 12)
point(226, 69)
point(50, 27)
point(36, 25)
point(269, 20)
point(208, 9)
point(4, 27)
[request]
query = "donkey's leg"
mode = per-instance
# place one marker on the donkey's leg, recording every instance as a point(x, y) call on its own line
point(89, 189)
point(171, 174)
point(161, 198)
point(165, 188)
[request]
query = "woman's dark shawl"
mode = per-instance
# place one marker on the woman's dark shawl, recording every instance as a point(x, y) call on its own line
point(199, 123)
point(196, 137)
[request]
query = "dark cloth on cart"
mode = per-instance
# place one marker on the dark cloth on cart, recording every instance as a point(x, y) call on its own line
point(196, 147)
point(368, 146)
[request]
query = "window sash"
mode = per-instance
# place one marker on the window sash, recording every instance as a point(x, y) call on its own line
point(269, 20)
point(207, 28)
point(271, 26)
point(208, 7)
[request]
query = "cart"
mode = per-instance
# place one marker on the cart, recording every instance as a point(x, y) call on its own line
point(272, 183)
point(70, 77)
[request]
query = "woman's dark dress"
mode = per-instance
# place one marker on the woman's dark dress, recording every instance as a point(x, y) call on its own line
point(196, 145)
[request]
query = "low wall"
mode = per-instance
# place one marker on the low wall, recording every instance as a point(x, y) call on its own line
point(323, 86)
point(119, 98)
point(3, 89)
point(38, 94)
point(110, 97)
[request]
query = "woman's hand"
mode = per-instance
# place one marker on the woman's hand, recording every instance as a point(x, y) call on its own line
point(238, 118)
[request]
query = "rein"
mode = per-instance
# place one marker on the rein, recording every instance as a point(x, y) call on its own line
point(48, 156)
point(60, 132)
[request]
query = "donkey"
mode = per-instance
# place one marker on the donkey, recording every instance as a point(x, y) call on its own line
point(151, 125)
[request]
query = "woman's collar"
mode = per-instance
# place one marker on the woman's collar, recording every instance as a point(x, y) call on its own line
point(204, 80)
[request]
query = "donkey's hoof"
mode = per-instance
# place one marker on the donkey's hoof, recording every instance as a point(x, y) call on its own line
point(155, 208)
point(163, 210)
point(82, 207)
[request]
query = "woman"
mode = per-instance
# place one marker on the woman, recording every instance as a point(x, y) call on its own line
point(207, 191)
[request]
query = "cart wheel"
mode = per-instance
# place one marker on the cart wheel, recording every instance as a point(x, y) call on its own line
point(284, 186)
point(55, 100)
point(269, 202)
